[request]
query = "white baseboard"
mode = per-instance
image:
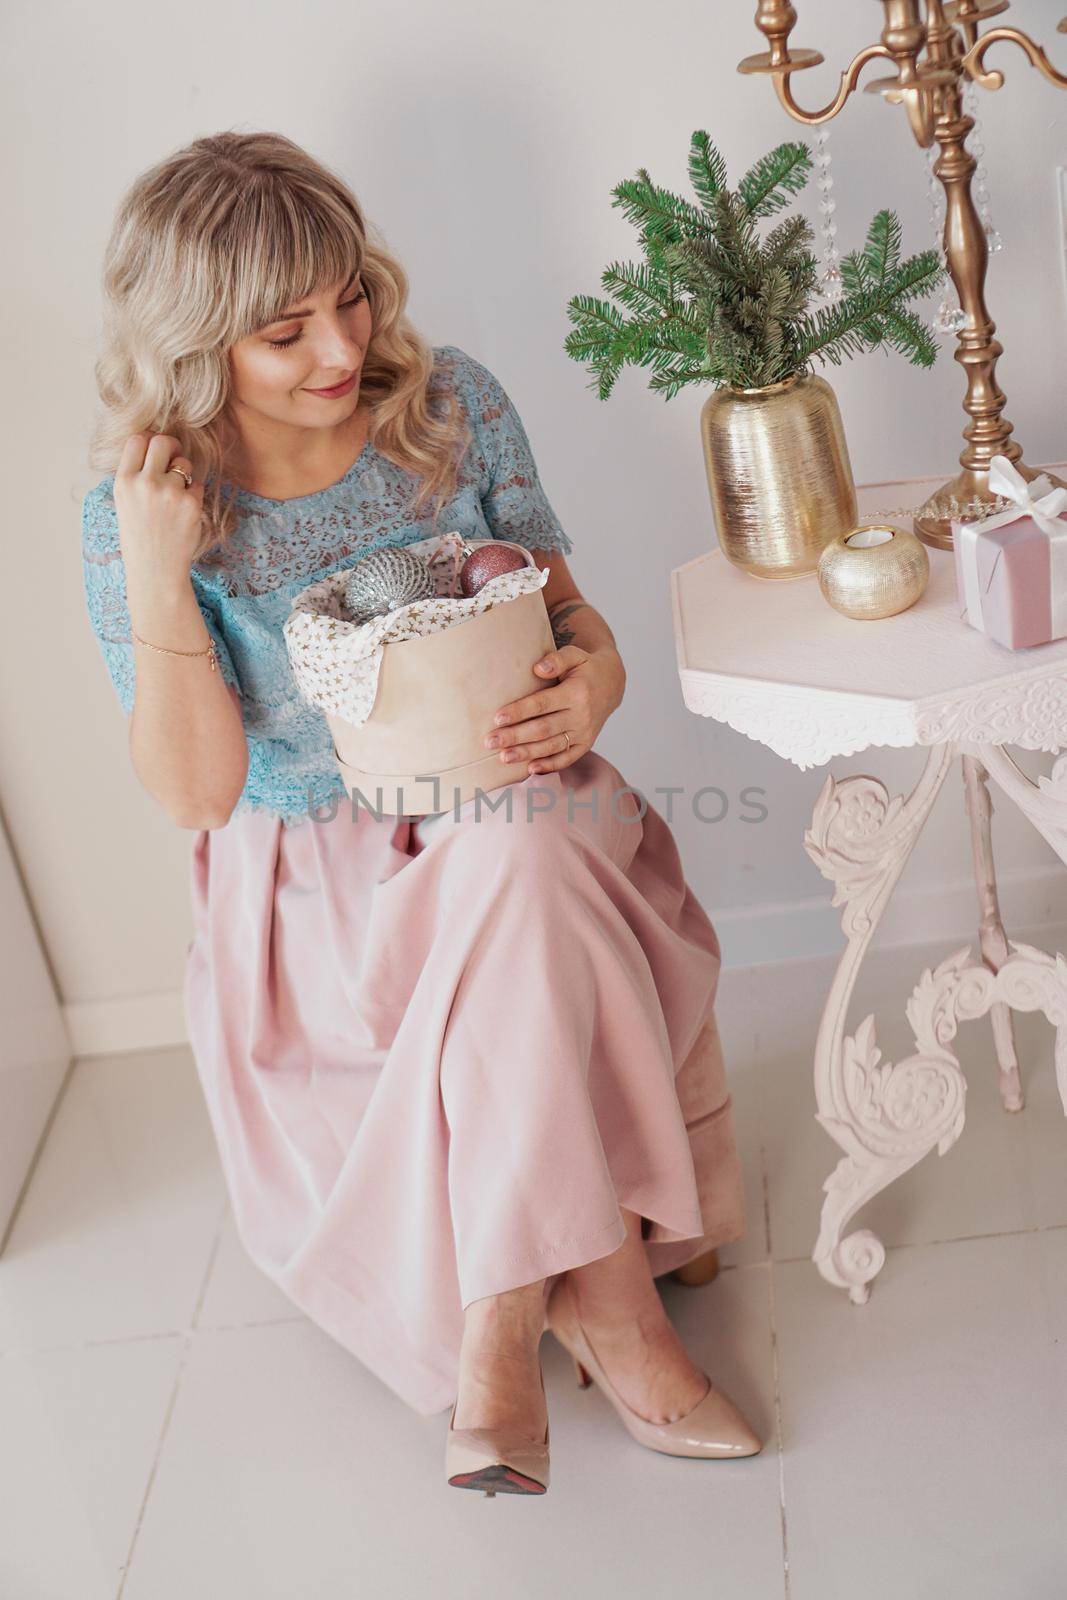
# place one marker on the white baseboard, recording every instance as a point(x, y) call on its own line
point(130, 1022)
point(1034, 899)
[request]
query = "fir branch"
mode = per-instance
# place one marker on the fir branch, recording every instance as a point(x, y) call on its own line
point(882, 249)
point(707, 169)
point(908, 334)
point(918, 275)
point(766, 187)
point(668, 384)
point(855, 276)
point(712, 302)
point(657, 212)
point(597, 320)
point(638, 287)
point(844, 329)
point(789, 238)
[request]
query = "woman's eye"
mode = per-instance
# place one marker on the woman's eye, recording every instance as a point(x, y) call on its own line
point(283, 344)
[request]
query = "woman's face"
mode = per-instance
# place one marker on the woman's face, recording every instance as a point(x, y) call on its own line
point(320, 343)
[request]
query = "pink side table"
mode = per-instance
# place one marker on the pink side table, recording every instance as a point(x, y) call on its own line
point(774, 661)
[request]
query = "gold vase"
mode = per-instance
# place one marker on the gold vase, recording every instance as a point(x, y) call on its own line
point(778, 473)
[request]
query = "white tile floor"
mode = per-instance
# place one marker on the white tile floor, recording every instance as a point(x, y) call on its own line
point(172, 1427)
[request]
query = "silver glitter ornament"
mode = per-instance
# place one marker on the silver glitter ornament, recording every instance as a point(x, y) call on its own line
point(386, 580)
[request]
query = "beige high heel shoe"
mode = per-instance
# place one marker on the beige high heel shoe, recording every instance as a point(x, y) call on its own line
point(496, 1459)
point(714, 1428)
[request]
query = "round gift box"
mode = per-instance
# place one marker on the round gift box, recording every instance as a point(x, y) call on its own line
point(873, 571)
point(422, 747)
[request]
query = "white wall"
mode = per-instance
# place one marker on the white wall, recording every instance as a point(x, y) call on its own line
point(484, 139)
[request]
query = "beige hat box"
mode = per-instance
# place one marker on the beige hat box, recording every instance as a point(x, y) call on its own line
point(420, 749)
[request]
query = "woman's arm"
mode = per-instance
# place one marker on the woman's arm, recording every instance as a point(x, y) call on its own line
point(592, 682)
point(557, 724)
point(574, 620)
point(187, 740)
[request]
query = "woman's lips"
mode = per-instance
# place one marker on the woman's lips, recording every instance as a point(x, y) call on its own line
point(338, 389)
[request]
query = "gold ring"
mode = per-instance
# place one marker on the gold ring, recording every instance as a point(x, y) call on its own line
point(186, 475)
point(567, 736)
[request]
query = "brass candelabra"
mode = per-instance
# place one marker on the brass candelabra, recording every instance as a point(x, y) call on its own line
point(933, 47)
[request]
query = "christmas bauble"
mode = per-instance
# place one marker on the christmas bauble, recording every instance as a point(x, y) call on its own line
point(386, 580)
point(488, 561)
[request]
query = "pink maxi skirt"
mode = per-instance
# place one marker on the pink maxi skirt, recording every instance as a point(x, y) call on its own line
point(439, 1053)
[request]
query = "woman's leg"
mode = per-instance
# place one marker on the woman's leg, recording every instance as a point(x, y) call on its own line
point(637, 1345)
point(621, 1311)
point(499, 1370)
point(571, 968)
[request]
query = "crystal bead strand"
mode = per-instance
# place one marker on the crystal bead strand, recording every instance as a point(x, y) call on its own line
point(831, 287)
point(976, 145)
point(950, 316)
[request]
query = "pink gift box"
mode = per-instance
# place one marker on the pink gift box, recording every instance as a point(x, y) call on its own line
point(1011, 568)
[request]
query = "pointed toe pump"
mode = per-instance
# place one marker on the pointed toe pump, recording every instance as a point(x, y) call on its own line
point(496, 1460)
point(713, 1429)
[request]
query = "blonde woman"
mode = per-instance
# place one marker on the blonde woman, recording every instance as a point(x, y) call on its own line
point(462, 1070)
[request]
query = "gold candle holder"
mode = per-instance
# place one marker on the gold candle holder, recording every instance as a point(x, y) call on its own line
point(873, 571)
point(932, 48)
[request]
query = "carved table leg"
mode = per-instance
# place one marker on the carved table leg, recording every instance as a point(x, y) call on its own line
point(887, 1116)
point(991, 936)
point(1044, 802)
point(884, 1118)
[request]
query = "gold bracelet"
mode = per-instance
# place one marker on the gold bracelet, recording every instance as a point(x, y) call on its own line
point(210, 651)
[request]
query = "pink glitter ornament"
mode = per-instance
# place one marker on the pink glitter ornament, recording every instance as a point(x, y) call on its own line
point(488, 561)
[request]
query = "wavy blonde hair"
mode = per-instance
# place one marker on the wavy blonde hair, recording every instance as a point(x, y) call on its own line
point(213, 242)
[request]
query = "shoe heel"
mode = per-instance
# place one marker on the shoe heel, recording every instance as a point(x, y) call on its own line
point(584, 1380)
point(493, 1460)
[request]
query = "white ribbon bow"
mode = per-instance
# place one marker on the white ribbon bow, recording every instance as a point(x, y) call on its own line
point(1036, 499)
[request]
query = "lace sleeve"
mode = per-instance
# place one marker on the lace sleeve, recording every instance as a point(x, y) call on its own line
point(104, 578)
point(514, 503)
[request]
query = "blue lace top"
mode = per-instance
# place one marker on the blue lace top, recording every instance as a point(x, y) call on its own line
point(245, 585)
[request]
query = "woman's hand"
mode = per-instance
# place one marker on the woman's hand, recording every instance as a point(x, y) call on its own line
point(159, 518)
point(531, 729)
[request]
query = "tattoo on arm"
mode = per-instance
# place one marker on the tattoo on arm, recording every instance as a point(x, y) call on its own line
point(560, 632)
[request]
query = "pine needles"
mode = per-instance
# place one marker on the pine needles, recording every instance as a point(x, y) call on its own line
point(713, 302)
